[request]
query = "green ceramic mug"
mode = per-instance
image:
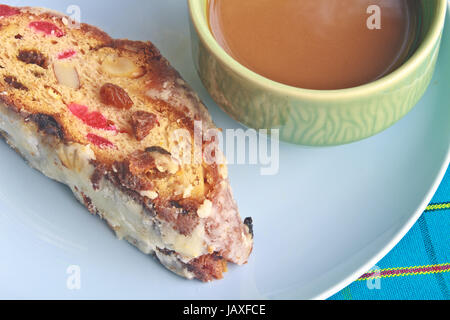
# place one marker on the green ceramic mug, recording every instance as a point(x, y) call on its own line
point(316, 117)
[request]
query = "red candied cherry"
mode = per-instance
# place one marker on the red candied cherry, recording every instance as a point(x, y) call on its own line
point(93, 119)
point(47, 28)
point(6, 11)
point(67, 54)
point(100, 141)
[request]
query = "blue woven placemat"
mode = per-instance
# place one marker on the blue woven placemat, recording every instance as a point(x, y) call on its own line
point(419, 266)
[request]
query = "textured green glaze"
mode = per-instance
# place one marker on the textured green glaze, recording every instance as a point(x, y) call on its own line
point(313, 117)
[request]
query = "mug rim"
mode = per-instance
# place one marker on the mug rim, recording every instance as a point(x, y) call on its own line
point(426, 47)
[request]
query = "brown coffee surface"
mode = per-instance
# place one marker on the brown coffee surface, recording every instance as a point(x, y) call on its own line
point(314, 44)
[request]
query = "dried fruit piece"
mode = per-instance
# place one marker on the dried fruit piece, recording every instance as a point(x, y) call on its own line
point(154, 160)
point(66, 74)
point(121, 67)
point(209, 267)
point(47, 28)
point(130, 181)
point(141, 162)
point(37, 74)
point(115, 96)
point(6, 11)
point(143, 122)
point(249, 223)
point(93, 119)
point(33, 57)
point(47, 124)
point(159, 150)
point(67, 54)
point(100, 141)
point(12, 81)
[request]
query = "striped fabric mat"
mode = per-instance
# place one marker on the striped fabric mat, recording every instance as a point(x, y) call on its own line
point(419, 266)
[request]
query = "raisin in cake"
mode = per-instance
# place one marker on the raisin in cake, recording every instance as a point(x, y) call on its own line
point(98, 115)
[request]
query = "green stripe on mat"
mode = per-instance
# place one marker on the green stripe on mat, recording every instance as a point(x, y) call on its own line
point(438, 206)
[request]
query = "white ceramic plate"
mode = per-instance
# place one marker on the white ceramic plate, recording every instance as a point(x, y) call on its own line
point(326, 218)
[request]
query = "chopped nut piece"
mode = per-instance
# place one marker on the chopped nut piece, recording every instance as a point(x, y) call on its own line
point(70, 156)
point(66, 74)
point(165, 164)
point(53, 93)
point(205, 209)
point(152, 195)
point(187, 192)
point(122, 67)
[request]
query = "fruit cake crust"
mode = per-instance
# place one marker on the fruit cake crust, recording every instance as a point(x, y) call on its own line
point(225, 237)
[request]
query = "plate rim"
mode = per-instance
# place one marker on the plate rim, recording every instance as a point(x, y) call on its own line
point(344, 283)
point(400, 234)
point(329, 291)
